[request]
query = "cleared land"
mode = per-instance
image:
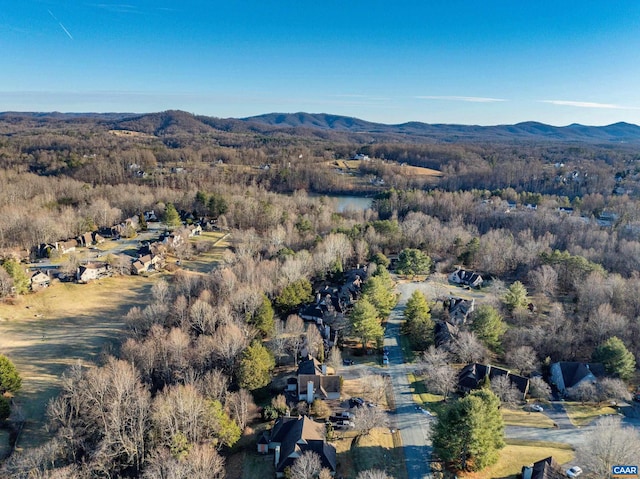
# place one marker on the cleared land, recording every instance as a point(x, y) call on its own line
point(46, 332)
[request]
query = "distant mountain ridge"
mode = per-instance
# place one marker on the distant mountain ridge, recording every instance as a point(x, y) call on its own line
point(343, 128)
point(530, 130)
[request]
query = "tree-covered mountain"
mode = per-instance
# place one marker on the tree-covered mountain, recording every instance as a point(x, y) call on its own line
point(331, 127)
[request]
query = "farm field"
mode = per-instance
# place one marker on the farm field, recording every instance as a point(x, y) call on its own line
point(46, 332)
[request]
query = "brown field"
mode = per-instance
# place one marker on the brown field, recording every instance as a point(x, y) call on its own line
point(130, 133)
point(353, 165)
point(44, 333)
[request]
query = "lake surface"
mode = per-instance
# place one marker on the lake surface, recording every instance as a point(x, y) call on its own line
point(354, 203)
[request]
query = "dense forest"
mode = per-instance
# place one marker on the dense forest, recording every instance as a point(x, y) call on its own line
point(558, 214)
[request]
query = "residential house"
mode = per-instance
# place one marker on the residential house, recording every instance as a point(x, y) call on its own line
point(85, 239)
point(466, 278)
point(172, 240)
point(568, 374)
point(459, 309)
point(472, 376)
point(39, 280)
point(313, 381)
point(544, 469)
point(67, 246)
point(194, 230)
point(444, 332)
point(90, 271)
point(292, 436)
point(97, 239)
point(146, 263)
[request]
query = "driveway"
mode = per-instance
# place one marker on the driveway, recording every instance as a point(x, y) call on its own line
point(414, 426)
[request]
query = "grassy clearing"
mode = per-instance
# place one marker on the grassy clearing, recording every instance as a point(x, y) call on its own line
point(204, 262)
point(513, 417)
point(421, 396)
point(45, 333)
point(581, 415)
point(378, 451)
point(516, 455)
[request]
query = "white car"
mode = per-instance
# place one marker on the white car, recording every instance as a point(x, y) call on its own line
point(537, 408)
point(574, 471)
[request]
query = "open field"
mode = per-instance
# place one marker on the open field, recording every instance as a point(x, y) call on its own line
point(204, 262)
point(516, 454)
point(581, 415)
point(44, 333)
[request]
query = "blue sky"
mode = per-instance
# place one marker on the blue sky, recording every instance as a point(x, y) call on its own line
point(454, 61)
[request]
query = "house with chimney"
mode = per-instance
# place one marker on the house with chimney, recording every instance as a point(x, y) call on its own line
point(313, 382)
point(293, 436)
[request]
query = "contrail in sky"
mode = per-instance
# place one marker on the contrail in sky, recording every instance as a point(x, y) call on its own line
point(61, 25)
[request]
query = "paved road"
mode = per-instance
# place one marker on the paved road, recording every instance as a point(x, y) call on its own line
point(412, 424)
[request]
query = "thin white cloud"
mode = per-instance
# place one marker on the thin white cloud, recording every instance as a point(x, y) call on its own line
point(471, 99)
point(588, 104)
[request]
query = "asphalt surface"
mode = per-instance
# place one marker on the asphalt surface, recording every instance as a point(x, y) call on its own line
point(413, 424)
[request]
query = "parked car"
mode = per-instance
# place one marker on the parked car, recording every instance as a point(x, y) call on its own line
point(347, 362)
point(344, 425)
point(385, 351)
point(385, 360)
point(537, 408)
point(574, 471)
point(356, 402)
point(344, 415)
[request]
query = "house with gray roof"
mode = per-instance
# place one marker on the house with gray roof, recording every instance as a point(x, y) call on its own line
point(292, 436)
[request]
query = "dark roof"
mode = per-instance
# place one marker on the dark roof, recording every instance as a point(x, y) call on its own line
point(444, 332)
point(263, 439)
point(309, 365)
point(302, 434)
point(547, 469)
point(573, 372)
point(312, 310)
point(473, 374)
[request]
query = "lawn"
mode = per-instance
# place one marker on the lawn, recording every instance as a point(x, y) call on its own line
point(421, 396)
point(379, 450)
point(44, 333)
point(583, 414)
point(519, 453)
point(518, 417)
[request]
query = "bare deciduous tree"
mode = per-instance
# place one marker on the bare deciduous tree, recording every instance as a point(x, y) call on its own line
point(523, 359)
point(439, 376)
point(538, 388)
point(583, 392)
point(367, 418)
point(508, 394)
point(608, 445)
point(306, 466)
point(213, 385)
point(544, 279)
point(374, 387)
point(373, 474)
point(613, 390)
point(335, 358)
point(161, 291)
point(468, 348)
point(202, 317)
point(241, 407)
